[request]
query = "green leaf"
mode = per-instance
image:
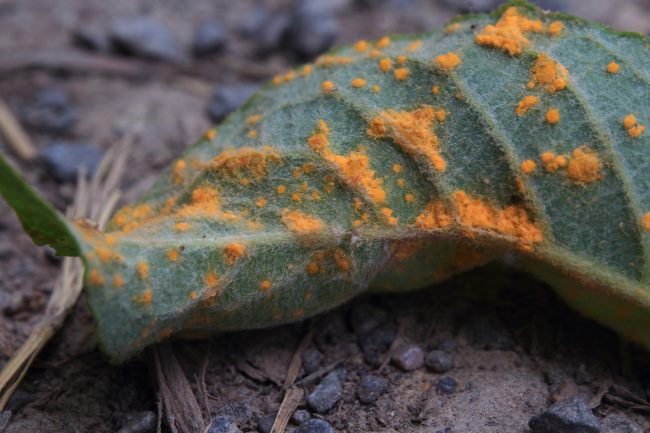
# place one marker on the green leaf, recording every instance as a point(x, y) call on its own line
point(358, 172)
point(39, 219)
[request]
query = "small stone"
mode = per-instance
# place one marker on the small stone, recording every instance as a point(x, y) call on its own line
point(253, 21)
point(371, 388)
point(439, 361)
point(365, 317)
point(146, 37)
point(273, 32)
point(618, 423)
point(377, 341)
point(408, 358)
point(143, 422)
point(487, 332)
point(222, 424)
point(52, 111)
point(313, 28)
point(447, 385)
point(265, 423)
point(91, 38)
point(64, 159)
point(314, 426)
point(326, 394)
point(210, 37)
point(311, 360)
point(300, 416)
point(225, 100)
point(572, 415)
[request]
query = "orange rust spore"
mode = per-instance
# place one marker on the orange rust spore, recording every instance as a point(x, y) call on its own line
point(385, 65)
point(387, 213)
point(525, 104)
point(613, 67)
point(265, 285)
point(327, 86)
point(508, 33)
point(434, 216)
point(244, 161)
point(383, 42)
point(361, 46)
point(95, 278)
point(358, 83)
point(234, 251)
point(548, 73)
point(414, 46)
point(584, 166)
point(528, 166)
point(412, 131)
point(552, 116)
point(172, 255)
point(142, 268)
point(302, 224)
point(145, 298)
point(354, 169)
point(118, 281)
point(448, 61)
point(646, 221)
point(182, 227)
point(401, 74)
point(179, 168)
point(512, 221)
point(555, 28)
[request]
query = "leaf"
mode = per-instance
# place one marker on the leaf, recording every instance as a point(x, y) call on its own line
point(393, 165)
point(39, 219)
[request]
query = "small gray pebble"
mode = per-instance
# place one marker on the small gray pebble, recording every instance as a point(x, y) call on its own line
point(618, 423)
point(371, 388)
point(447, 385)
point(265, 423)
point(572, 415)
point(313, 28)
point(146, 37)
point(210, 37)
point(273, 32)
point(409, 358)
point(326, 394)
point(91, 38)
point(377, 341)
point(222, 424)
point(225, 100)
point(144, 422)
point(314, 426)
point(300, 416)
point(311, 360)
point(51, 111)
point(439, 361)
point(64, 159)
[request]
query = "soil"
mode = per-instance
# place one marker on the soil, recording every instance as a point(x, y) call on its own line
point(516, 347)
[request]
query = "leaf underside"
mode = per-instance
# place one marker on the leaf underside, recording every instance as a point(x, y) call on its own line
point(350, 174)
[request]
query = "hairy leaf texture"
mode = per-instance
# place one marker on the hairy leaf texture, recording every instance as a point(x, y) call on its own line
point(392, 165)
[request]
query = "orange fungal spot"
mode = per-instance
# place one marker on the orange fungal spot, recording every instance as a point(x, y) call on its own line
point(508, 33)
point(145, 298)
point(548, 73)
point(260, 202)
point(172, 255)
point(354, 168)
point(244, 161)
point(143, 270)
point(327, 86)
point(448, 61)
point(182, 227)
point(412, 131)
point(302, 224)
point(451, 28)
point(375, 89)
point(385, 65)
point(211, 134)
point(646, 221)
point(552, 116)
point(312, 268)
point(584, 166)
point(358, 82)
point(383, 42)
point(401, 59)
point(526, 103)
point(265, 285)
point(179, 168)
point(434, 216)
point(397, 168)
point(613, 67)
point(95, 278)
point(634, 129)
point(234, 251)
point(118, 281)
point(555, 28)
point(361, 46)
point(414, 46)
point(387, 213)
point(253, 120)
point(281, 189)
point(401, 74)
point(435, 89)
point(528, 166)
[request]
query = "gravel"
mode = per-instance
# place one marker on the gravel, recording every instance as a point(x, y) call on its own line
point(311, 360)
point(226, 99)
point(314, 426)
point(265, 423)
point(408, 358)
point(572, 415)
point(146, 37)
point(371, 388)
point(52, 111)
point(326, 394)
point(439, 361)
point(64, 159)
point(447, 385)
point(222, 424)
point(210, 37)
point(300, 416)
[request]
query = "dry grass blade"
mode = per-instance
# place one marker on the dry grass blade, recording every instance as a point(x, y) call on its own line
point(15, 135)
point(95, 201)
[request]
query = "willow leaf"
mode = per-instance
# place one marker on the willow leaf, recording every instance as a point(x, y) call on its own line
point(392, 165)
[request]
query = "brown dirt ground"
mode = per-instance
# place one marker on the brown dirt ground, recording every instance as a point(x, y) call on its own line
point(72, 388)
